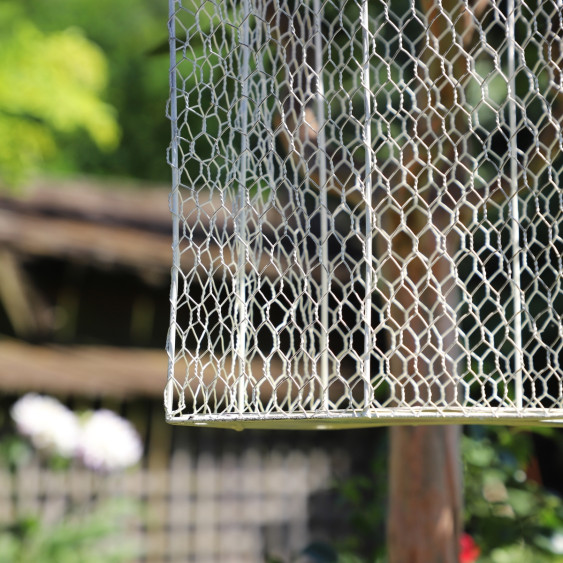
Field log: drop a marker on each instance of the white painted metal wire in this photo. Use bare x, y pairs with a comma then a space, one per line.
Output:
367, 212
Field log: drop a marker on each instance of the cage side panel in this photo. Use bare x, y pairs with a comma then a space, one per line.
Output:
369, 210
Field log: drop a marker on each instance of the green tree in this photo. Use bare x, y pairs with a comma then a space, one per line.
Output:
50, 83
127, 32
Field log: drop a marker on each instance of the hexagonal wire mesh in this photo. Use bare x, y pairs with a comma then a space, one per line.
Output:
367, 212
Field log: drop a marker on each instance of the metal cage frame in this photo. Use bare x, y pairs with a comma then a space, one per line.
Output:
367, 213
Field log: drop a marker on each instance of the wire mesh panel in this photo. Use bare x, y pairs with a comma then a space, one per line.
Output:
367, 212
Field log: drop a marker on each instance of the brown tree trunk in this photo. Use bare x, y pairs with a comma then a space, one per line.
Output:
424, 521
425, 487
425, 492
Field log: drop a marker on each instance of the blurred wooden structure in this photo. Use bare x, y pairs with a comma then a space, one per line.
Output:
79, 225
84, 282
206, 495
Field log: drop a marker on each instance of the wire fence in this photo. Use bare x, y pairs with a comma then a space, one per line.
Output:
367, 212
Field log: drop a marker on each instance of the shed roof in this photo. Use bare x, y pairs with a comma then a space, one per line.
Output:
113, 225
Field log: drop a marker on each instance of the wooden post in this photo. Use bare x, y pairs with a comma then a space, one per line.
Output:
419, 241
424, 522
415, 244
425, 498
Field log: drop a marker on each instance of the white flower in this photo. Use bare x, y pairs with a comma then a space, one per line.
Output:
109, 442
49, 425
557, 543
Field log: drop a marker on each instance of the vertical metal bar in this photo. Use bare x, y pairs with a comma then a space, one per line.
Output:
240, 219
174, 208
368, 248
321, 159
266, 116
514, 205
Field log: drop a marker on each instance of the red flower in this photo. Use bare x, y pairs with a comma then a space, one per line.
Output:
469, 550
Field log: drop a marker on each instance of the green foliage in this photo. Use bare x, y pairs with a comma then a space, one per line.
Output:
323, 553
49, 83
91, 538
14, 451
365, 499
519, 553
126, 31
511, 517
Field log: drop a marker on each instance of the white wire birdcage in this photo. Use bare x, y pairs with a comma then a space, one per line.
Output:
367, 212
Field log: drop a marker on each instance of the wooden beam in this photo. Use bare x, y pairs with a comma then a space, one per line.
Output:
127, 372
85, 242
29, 315
120, 202
81, 370
130, 229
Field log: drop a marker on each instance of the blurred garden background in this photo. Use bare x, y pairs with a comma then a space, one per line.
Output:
85, 256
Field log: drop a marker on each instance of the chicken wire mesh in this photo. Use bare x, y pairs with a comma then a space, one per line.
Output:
367, 212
